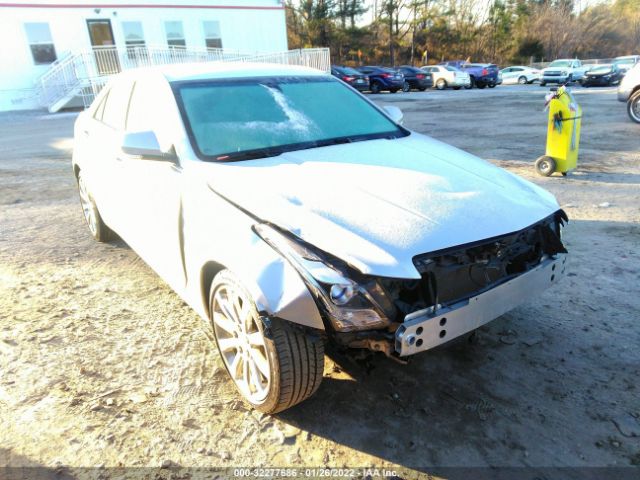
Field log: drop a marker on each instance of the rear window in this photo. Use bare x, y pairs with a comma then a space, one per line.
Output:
348, 71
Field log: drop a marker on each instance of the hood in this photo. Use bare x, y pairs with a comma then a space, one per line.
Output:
376, 204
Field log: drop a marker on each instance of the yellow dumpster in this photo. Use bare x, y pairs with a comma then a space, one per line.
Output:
563, 134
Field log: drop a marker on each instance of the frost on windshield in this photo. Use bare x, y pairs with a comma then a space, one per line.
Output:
243, 116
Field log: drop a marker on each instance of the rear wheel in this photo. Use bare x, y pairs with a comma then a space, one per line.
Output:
406, 87
274, 366
545, 166
99, 230
441, 84
522, 80
375, 87
492, 85
633, 107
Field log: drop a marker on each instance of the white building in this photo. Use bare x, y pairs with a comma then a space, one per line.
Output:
36, 33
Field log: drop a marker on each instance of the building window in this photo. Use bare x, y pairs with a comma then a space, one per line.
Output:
212, 36
175, 34
41, 43
133, 34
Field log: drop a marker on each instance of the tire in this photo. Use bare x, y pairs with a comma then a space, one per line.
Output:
492, 85
633, 107
277, 364
99, 230
393, 90
406, 87
545, 166
542, 84
522, 80
375, 88
441, 84
569, 79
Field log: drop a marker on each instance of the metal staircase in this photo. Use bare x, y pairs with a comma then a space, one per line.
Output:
75, 79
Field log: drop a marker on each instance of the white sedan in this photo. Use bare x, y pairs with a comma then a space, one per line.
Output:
519, 74
288, 210
444, 76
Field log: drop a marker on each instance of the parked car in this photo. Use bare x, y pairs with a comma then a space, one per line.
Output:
482, 74
629, 91
563, 71
603, 75
414, 78
626, 63
284, 226
381, 78
351, 76
445, 76
519, 74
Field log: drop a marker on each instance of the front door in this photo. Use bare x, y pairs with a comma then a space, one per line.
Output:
101, 36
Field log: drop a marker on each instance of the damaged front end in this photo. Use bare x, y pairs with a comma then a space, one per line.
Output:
460, 288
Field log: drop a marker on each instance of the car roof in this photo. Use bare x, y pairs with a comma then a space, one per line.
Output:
217, 70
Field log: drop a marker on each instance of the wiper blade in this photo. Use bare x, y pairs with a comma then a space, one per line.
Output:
250, 155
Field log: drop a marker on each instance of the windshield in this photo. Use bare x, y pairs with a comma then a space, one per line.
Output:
258, 117
601, 69
625, 61
560, 63
452, 69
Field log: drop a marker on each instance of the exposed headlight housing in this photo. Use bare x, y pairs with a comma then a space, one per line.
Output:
348, 304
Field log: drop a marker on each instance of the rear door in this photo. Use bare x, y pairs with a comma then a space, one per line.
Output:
104, 135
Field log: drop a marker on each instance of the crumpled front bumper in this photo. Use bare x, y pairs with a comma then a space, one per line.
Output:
425, 330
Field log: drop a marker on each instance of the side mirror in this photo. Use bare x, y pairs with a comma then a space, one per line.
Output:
146, 146
394, 113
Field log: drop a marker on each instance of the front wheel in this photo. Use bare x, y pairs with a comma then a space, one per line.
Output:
274, 365
522, 80
375, 87
99, 230
406, 87
545, 166
441, 84
633, 107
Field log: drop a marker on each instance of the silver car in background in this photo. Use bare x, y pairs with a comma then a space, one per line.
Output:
447, 77
288, 210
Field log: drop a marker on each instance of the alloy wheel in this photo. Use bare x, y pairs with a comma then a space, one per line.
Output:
88, 208
241, 342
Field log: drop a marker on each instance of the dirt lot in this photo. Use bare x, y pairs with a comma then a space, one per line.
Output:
102, 365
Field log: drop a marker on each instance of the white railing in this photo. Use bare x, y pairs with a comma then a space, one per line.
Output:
85, 72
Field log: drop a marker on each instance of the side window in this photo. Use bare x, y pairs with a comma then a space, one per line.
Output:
117, 103
100, 108
150, 110
212, 36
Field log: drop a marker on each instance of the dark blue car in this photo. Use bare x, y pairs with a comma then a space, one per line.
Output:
482, 74
381, 78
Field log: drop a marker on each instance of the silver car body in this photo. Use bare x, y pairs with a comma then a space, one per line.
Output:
373, 204
511, 75
456, 78
629, 84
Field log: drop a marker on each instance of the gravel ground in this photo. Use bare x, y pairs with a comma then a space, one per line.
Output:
101, 364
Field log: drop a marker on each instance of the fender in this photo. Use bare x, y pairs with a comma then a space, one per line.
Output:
220, 236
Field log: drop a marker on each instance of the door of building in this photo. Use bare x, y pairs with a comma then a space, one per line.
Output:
104, 48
